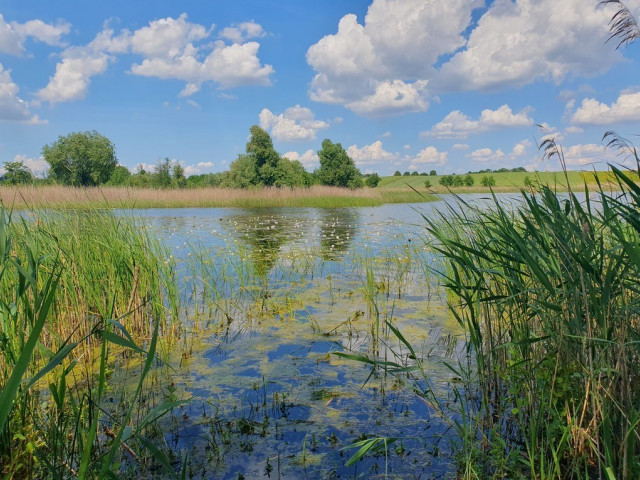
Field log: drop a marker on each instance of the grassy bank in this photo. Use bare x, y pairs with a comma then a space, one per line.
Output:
121, 197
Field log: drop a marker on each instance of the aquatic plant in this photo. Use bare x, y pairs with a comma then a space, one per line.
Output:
547, 291
73, 287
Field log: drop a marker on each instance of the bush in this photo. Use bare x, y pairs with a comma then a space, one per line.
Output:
372, 180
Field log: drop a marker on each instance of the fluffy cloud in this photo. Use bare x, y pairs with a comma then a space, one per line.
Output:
392, 97
400, 44
13, 35
73, 75
205, 165
242, 32
590, 154
362, 66
169, 51
38, 166
520, 148
12, 107
428, 156
625, 109
370, 154
458, 125
309, 159
518, 42
167, 46
486, 154
296, 123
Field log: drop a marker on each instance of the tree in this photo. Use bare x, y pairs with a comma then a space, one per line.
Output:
179, 179
81, 159
468, 180
162, 176
372, 180
120, 175
406, 174
488, 181
427, 184
17, 173
458, 181
414, 173
433, 173
397, 173
446, 180
267, 159
336, 167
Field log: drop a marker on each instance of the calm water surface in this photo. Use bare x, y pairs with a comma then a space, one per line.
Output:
269, 296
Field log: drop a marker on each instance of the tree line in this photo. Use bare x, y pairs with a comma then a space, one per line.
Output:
88, 159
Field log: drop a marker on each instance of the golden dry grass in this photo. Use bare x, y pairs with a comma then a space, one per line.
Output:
125, 197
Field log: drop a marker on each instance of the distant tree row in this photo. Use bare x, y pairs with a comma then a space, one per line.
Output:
413, 174
88, 159
501, 170
456, 180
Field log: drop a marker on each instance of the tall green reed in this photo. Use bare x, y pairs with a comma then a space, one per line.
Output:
547, 291
73, 286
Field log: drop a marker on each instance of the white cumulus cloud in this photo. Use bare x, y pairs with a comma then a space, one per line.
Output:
428, 156
243, 31
296, 123
486, 154
458, 125
370, 154
518, 42
38, 166
12, 107
13, 35
309, 159
625, 109
365, 66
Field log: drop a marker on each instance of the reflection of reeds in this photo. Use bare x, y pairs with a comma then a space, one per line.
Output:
123, 197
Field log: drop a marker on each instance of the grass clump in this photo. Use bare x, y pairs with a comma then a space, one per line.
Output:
75, 288
548, 294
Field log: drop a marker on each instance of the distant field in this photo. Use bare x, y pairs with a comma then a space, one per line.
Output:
504, 181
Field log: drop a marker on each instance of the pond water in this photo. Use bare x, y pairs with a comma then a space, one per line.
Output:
269, 297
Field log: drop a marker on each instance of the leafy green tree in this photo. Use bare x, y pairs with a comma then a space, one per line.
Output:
397, 173
242, 173
120, 175
162, 175
336, 167
81, 158
291, 173
433, 173
414, 173
427, 184
468, 180
458, 181
267, 159
17, 173
179, 180
446, 181
406, 174
488, 181
372, 180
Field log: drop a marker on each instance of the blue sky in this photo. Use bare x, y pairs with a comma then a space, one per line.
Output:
450, 85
